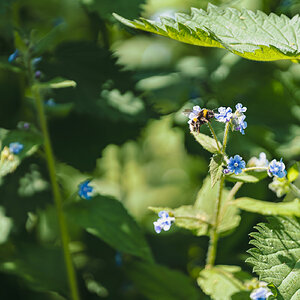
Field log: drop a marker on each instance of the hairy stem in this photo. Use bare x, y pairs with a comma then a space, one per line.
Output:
225, 137
214, 135
213, 242
57, 197
295, 190
255, 169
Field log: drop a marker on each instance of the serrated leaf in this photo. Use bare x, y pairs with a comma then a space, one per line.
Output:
188, 217
224, 283
215, 168
206, 142
206, 202
160, 283
268, 208
293, 172
247, 177
107, 219
248, 34
276, 256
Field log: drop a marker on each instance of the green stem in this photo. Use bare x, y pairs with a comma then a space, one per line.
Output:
295, 190
255, 169
57, 197
213, 242
225, 137
214, 135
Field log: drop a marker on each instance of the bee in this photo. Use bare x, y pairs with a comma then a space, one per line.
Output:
201, 116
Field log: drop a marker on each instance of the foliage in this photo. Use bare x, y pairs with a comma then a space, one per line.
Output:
276, 255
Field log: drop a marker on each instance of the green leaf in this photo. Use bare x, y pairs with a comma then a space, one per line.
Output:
160, 283
293, 172
58, 83
276, 256
199, 217
215, 168
188, 217
41, 268
248, 34
206, 202
107, 219
224, 283
268, 208
206, 142
247, 177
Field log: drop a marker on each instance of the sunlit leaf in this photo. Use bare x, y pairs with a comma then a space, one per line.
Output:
276, 255
206, 142
291, 208
215, 168
224, 283
247, 177
253, 35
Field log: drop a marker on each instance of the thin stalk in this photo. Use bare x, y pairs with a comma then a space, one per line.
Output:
255, 169
57, 197
225, 137
295, 190
214, 135
213, 242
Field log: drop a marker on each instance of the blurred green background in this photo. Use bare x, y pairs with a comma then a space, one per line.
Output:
123, 126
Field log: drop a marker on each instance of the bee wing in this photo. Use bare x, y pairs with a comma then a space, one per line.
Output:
186, 112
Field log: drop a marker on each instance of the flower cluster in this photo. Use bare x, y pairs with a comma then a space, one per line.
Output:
164, 222
15, 147
261, 293
85, 190
280, 186
236, 119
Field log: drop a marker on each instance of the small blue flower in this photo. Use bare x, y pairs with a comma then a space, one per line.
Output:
277, 168
194, 113
239, 123
13, 56
261, 293
15, 148
164, 222
240, 109
236, 164
84, 190
226, 171
36, 60
50, 102
224, 115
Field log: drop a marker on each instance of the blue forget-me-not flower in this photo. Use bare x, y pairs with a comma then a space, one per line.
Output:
164, 222
238, 118
277, 168
224, 115
194, 113
261, 293
261, 161
13, 56
16, 147
85, 190
236, 164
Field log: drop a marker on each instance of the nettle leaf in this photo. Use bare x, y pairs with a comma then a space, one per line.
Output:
160, 283
247, 177
276, 256
252, 35
224, 283
207, 142
107, 219
188, 217
291, 208
215, 168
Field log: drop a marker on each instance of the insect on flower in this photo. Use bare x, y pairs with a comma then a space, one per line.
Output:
198, 117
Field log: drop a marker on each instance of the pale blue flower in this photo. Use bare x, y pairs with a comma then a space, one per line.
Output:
194, 113
13, 56
239, 123
84, 190
164, 222
224, 115
236, 164
261, 161
261, 293
277, 168
16, 147
240, 108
